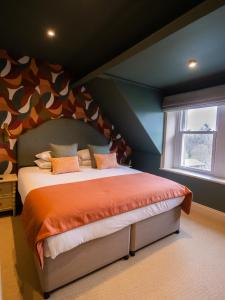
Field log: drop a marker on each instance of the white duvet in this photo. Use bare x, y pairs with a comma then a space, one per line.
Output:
30, 178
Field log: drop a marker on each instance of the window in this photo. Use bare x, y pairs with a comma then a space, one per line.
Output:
195, 140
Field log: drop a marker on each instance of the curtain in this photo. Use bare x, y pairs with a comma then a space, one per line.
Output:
213, 96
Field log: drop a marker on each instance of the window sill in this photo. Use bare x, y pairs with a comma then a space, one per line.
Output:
195, 175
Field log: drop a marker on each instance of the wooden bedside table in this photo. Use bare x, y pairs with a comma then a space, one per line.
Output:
8, 192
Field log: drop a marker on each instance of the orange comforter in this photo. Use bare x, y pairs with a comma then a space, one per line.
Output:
55, 209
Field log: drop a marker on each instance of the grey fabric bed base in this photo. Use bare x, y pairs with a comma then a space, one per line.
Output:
82, 260
152, 229
93, 255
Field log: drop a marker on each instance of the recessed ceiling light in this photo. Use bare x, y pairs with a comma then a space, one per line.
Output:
192, 64
50, 33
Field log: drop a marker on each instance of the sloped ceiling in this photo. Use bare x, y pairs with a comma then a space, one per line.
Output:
135, 111
145, 104
164, 65
88, 32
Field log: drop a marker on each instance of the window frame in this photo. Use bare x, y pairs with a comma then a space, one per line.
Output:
180, 132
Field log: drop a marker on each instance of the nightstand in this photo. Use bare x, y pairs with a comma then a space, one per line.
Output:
8, 192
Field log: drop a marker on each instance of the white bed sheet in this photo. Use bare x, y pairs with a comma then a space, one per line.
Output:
30, 178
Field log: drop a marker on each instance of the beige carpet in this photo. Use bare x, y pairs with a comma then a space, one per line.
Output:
189, 266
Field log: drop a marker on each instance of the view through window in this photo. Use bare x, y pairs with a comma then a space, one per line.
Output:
197, 137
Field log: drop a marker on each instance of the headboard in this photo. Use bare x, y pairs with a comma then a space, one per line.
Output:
57, 131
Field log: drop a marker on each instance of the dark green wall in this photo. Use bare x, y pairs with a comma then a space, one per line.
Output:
145, 102
136, 111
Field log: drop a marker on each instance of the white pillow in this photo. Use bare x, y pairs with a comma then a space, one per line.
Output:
84, 154
46, 155
43, 164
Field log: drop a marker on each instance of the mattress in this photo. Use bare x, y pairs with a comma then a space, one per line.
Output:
30, 178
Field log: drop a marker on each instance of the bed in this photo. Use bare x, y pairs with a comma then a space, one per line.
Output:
80, 251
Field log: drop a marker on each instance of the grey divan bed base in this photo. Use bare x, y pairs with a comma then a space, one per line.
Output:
152, 229
82, 260
100, 252
93, 255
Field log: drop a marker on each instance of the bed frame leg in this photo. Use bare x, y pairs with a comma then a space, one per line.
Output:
46, 295
126, 257
177, 231
132, 253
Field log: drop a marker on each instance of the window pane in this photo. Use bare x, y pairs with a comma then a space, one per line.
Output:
200, 119
197, 151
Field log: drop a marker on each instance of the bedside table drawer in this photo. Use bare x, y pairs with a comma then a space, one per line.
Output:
5, 188
6, 203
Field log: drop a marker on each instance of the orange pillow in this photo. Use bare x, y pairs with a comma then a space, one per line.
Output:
65, 164
106, 161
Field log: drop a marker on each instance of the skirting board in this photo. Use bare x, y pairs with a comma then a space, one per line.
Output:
208, 212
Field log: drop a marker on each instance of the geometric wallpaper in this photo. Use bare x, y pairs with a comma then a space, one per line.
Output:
32, 92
